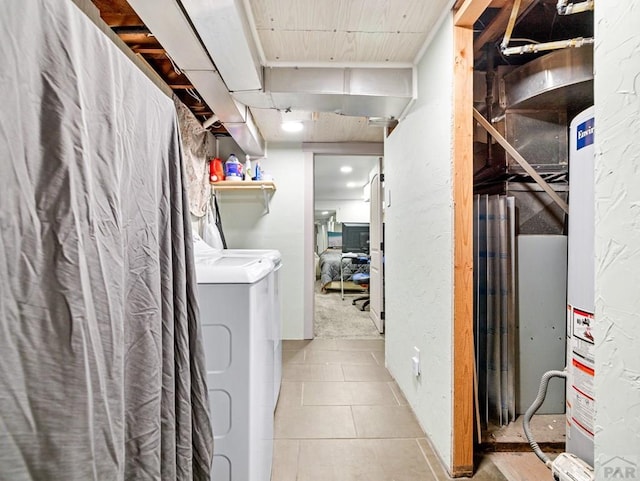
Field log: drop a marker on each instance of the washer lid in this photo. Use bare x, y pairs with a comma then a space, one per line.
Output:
231, 270
272, 254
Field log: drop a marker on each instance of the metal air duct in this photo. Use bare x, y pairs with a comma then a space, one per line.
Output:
362, 92
173, 30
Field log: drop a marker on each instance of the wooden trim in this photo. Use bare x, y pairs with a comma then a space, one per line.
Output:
463, 357
244, 185
469, 12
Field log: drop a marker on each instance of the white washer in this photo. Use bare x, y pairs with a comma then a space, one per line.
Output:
276, 308
232, 295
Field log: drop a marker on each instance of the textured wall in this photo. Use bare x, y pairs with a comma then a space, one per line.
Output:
247, 227
617, 236
419, 244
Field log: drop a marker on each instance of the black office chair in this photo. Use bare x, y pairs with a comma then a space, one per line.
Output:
361, 279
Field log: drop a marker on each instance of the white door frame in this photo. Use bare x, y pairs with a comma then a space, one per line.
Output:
310, 149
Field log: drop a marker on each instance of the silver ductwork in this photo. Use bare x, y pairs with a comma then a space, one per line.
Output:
361, 92
220, 62
167, 21
558, 80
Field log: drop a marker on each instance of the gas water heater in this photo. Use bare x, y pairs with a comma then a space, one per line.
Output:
581, 289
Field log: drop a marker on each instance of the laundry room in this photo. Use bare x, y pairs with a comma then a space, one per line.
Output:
268, 240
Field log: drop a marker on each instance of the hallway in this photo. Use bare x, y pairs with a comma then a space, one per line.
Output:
341, 417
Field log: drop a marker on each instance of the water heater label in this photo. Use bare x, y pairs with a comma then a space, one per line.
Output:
585, 134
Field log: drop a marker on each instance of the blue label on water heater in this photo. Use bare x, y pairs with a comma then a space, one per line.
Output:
584, 134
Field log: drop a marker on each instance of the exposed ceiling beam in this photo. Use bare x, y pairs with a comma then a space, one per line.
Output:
118, 20
469, 12
149, 51
498, 25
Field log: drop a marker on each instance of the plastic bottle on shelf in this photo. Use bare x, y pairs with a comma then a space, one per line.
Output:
248, 172
257, 171
216, 170
233, 168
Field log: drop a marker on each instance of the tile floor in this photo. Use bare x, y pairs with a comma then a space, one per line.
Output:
341, 417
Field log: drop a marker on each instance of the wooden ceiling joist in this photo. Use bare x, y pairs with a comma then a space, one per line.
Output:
149, 51
122, 20
139, 39
498, 25
469, 12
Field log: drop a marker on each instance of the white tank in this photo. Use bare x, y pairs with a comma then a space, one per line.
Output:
581, 288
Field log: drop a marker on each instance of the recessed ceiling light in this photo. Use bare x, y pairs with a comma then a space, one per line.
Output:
292, 126
346, 169
351, 184
325, 212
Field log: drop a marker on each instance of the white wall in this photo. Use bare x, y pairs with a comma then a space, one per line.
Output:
247, 226
419, 244
346, 210
617, 237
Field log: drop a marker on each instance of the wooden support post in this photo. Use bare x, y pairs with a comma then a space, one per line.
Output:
463, 356
469, 12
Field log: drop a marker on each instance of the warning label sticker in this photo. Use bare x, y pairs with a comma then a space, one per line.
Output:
580, 396
582, 331
582, 412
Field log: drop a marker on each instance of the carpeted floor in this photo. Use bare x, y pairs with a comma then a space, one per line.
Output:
335, 318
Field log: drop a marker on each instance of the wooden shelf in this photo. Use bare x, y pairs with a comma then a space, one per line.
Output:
264, 187
227, 185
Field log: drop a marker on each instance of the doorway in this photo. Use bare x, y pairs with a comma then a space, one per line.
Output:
342, 238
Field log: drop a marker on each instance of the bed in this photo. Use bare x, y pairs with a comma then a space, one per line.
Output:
330, 271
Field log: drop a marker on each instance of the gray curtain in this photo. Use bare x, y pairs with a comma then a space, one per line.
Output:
101, 364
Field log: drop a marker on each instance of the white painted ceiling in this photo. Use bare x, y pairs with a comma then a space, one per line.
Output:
345, 33
328, 127
331, 183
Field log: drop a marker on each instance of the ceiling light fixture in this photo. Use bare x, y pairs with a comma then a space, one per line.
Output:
292, 126
351, 185
325, 212
346, 169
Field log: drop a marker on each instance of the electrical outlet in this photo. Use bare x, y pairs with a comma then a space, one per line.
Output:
415, 362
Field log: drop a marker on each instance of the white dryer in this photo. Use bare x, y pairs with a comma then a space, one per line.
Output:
275, 307
234, 298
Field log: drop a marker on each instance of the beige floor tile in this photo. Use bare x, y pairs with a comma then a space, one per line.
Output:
403, 460
322, 344
285, 460
339, 460
293, 356
371, 393
295, 344
379, 357
312, 372
386, 422
398, 393
348, 393
516, 467
314, 422
326, 394
290, 395
360, 344
365, 373
342, 357
433, 459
